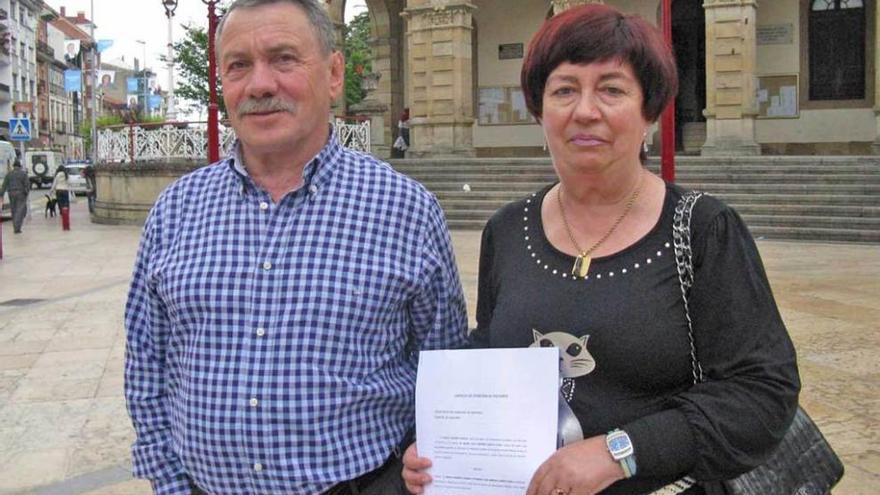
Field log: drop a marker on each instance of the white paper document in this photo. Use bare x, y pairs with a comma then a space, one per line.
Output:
486, 418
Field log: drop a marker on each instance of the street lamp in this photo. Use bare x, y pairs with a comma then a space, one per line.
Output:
213, 108
170, 111
144, 72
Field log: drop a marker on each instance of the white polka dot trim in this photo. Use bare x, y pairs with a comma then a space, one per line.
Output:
565, 273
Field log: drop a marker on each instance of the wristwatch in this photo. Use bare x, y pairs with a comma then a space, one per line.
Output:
621, 449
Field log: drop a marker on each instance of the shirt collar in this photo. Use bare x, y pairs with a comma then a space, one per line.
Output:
316, 172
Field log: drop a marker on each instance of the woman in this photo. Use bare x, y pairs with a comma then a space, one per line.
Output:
61, 190
587, 265
91, 186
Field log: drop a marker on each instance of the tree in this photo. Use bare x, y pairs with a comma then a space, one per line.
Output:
190, 62
358, 57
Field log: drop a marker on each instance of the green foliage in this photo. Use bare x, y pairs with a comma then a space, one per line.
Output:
191, 64
358, 57
85, 127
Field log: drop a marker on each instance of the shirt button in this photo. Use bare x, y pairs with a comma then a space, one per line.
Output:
267, 266
264, 205
313, 189
253, 402
261, 332
258, 467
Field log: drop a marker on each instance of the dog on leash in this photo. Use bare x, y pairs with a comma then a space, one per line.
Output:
50, 206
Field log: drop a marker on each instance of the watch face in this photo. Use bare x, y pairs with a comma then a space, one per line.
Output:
618, 443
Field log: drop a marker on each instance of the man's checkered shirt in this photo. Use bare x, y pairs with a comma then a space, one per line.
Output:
270, 347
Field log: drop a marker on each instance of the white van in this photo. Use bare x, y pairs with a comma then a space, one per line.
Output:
7, 156
41, 165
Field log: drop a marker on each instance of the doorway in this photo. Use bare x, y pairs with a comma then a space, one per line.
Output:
689, 43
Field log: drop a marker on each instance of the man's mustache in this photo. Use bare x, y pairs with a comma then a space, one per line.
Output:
265, 105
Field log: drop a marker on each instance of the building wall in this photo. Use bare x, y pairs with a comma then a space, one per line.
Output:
521, 20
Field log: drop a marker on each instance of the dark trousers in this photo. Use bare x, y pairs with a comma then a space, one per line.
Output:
385, 480
18, 204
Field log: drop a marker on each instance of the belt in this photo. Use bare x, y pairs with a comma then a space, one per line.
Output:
357, 485
350, 487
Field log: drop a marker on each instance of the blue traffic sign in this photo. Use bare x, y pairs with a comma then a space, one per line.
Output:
20, 129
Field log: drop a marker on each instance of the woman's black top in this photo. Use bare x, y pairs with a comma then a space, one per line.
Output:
627, 316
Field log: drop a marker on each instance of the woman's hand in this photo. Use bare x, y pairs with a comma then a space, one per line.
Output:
413, 467
581, 468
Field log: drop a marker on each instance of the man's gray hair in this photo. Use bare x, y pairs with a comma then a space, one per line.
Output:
317, 15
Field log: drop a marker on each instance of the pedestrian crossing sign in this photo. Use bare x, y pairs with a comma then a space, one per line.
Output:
20, 129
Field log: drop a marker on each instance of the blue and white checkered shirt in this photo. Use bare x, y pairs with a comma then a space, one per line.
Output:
270, 347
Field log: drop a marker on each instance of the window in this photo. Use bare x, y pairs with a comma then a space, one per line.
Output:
837, 49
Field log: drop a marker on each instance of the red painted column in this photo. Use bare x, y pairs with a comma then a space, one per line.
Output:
213, 107
667, 119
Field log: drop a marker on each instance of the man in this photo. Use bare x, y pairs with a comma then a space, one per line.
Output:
279, 296
18, 186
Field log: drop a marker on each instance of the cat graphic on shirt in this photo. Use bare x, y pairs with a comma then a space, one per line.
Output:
574, 357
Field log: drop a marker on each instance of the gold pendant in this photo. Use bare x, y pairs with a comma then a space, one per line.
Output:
581, 266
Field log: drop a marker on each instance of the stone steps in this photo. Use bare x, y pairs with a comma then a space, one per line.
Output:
779, 197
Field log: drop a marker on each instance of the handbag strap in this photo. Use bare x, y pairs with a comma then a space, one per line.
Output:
681, 239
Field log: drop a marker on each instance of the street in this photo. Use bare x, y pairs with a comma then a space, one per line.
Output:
63, 424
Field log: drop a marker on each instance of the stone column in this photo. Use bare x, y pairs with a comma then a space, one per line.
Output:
731, 104
563, 5
440, 86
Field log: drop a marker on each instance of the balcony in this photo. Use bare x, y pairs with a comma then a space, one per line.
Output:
45, 52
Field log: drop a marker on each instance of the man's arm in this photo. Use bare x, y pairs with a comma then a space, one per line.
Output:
439, 311
147, 329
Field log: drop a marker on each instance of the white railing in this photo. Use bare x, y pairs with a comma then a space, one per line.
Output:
189, 141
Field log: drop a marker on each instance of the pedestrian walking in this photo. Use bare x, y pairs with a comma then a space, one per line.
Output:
91, 187
17, 185
61, 190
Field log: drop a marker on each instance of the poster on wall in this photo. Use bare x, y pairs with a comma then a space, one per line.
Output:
503, 106
107, 78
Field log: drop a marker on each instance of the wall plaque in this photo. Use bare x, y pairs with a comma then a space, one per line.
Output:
775, 34
510, 51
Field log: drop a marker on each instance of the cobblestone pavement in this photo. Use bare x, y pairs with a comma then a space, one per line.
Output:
63, 425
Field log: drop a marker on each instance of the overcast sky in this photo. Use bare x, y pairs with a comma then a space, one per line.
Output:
125, 21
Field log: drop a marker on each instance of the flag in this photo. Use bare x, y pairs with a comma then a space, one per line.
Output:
104, 44
72, 80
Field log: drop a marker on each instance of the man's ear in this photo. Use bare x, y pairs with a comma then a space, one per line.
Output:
337, 74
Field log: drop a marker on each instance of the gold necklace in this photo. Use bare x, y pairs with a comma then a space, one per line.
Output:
582, 261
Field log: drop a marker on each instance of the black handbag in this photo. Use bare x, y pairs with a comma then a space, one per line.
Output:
803, 463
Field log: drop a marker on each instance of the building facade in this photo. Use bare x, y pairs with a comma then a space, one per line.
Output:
780, 77
18, 68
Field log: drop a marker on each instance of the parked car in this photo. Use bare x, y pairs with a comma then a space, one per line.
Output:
41, 165
75, 178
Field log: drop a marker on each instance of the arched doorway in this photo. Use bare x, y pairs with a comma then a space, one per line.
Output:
689, 42
388, 61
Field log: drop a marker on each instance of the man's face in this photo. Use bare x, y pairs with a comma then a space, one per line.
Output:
277, 81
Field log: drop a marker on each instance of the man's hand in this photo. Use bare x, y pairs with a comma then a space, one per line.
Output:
413, 470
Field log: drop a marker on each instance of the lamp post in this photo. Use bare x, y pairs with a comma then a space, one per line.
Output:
213, 108
170, 111
144, 72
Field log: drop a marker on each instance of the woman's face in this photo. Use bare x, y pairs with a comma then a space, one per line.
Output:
592, 116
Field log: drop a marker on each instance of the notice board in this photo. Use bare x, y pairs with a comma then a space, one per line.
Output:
777, 97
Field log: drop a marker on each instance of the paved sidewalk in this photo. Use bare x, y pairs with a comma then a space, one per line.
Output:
63, 425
